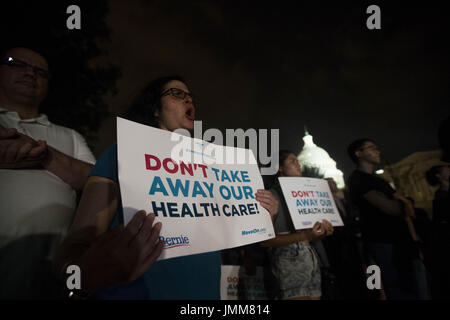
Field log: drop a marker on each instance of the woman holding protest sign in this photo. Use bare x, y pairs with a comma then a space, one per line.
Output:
294, 262
119, 262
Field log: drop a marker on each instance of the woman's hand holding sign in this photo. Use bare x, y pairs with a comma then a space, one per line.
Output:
328, 227
267, 200
320, 230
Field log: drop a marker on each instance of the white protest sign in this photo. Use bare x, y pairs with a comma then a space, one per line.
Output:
309, 200
236, 284
203, 206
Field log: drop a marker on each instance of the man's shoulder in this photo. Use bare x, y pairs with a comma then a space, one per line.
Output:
360, 183
61, 128
355, 177
63, 132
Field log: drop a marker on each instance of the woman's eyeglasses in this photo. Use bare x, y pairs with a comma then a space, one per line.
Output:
178, 94
22, 65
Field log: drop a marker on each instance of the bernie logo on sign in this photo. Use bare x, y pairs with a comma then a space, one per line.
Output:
172, 242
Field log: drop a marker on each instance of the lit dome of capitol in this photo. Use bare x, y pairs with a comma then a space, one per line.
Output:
314, 156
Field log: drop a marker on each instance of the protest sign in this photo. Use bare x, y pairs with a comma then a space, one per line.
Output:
236, 284
309, 200
203, 206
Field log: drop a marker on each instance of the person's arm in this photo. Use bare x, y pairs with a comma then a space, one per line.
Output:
95, 211
19, 151
72, 171
398, 207
282, 240
317, 232
382, 202
107, 257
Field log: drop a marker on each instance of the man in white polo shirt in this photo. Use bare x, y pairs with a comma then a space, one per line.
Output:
42, 166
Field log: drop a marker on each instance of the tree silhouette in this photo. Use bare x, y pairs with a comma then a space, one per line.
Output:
312, 172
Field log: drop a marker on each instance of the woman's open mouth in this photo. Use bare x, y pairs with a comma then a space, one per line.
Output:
190, 113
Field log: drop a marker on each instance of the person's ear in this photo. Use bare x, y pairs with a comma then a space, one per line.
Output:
358, 154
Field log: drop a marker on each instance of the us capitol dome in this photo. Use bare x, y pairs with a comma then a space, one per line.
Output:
314, 156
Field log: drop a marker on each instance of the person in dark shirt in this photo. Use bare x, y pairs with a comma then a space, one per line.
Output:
386, 226
424, 230
343, 253
439, 176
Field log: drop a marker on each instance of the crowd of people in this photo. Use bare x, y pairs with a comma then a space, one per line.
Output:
59, 206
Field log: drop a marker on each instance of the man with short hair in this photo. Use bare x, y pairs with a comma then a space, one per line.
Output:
42, 166
384, 214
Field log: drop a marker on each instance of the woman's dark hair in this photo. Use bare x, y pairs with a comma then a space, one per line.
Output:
283, 154
272, 181
355, 146
143, 108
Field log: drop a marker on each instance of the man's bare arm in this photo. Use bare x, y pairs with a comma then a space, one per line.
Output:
19, 151
72, 171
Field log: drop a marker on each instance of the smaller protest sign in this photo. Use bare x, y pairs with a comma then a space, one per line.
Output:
309, 200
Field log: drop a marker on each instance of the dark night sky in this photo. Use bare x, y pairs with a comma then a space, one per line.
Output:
289, 64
